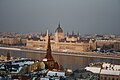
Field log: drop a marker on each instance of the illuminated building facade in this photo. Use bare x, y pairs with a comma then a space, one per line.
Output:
61, 42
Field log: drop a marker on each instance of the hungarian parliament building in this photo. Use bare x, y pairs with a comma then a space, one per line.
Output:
61, 42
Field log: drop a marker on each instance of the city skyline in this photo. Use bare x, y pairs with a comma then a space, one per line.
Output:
85, 17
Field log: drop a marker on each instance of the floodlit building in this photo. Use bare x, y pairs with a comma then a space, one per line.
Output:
61, 42
3, 58
12, 41
117, 45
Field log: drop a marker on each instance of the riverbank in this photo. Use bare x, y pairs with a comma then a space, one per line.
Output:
83, 54
66, 59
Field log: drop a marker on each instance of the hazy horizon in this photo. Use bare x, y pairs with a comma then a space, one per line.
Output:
83, 16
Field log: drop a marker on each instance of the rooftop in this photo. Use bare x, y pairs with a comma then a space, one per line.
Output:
59, 29
106, 68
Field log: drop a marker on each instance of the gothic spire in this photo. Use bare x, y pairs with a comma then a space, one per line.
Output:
48, 53
59, 24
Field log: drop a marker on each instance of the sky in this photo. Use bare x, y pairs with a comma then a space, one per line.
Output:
83, 16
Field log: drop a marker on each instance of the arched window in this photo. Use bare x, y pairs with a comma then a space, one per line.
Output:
105, 78
109, 78
117, 79
113, 79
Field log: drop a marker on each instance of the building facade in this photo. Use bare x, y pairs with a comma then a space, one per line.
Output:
105, 71
12, 41
60, 42
117, 45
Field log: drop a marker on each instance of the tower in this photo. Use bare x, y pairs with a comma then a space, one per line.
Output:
59, 33
48, 60
48, 52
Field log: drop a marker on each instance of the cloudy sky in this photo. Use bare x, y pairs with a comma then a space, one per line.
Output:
83, 16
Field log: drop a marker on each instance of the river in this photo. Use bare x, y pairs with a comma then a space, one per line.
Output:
67, 61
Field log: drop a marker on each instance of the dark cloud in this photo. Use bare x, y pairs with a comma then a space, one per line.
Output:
85, 16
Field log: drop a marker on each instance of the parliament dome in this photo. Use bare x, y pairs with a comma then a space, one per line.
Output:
59, 29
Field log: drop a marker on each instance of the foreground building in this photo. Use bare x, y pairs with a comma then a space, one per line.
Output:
106, 71
28, 69
61, 42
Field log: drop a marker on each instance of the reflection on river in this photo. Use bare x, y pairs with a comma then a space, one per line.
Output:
73, 62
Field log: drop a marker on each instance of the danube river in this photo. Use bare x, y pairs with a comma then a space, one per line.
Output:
67, 61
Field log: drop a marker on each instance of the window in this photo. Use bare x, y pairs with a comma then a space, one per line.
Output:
101, 78
105, 78
109, 78
117, 79
113, 79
